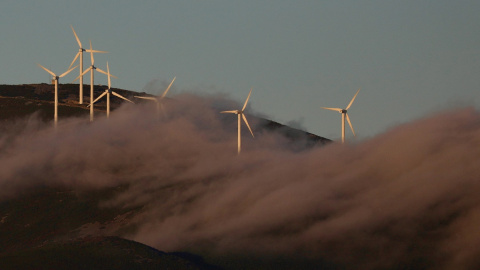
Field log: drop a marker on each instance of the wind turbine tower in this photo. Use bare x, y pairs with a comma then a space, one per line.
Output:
240, 115
55, 78
345, 115
80, 55
108, 92
92, 68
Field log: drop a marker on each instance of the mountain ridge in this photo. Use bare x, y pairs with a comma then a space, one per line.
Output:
43, 94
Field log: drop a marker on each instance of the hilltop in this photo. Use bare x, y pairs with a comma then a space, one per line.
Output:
17, 101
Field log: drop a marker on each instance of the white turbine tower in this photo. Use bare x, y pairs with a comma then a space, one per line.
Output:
55, 78
80, 55
344, 115
92, 68
108, 92
241, 115
158, 100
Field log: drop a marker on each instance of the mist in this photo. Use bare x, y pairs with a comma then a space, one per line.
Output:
407, 198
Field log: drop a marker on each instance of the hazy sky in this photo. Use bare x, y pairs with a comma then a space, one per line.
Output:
410, 58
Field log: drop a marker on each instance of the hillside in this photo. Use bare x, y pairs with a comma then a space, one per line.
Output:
47, 229
60, 227
147, 190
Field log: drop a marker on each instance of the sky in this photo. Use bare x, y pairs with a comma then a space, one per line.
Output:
409, 58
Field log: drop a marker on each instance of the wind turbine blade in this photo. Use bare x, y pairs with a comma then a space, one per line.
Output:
101, 71
47, 70
149, 98
229, 111
95, 51
246, 122
168, 88
246, 101
350, 123
332, 109
68, 71
74, 59
78, 40
91, 54
83, 73
86, 70
350, 104
122, 97
99, 97
106, 73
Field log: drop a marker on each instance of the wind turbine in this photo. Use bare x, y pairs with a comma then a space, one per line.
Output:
241, 115
159, 99
108, 92
345, 115
55, 78
92, 68
80, 54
